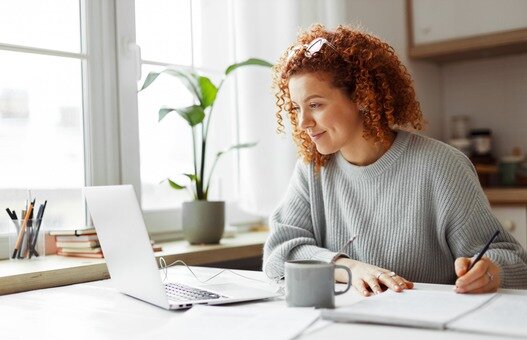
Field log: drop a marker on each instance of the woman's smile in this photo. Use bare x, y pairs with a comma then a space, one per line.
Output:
316, 136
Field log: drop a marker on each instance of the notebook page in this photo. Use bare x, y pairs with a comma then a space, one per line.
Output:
414, 307
506, 314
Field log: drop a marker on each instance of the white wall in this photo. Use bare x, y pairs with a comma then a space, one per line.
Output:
493, 93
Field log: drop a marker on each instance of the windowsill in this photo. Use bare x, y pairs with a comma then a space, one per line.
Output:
53, 270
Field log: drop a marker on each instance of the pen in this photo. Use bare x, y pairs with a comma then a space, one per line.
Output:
341, 250
40, 215
350, 241
14, 218
482, 252
22, 231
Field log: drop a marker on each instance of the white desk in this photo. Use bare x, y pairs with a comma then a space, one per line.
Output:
95, 311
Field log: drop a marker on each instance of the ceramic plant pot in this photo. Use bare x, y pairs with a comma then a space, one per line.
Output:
203, 221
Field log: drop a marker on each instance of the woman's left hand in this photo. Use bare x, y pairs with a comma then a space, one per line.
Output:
484, 277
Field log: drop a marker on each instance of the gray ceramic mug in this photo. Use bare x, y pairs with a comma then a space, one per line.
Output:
311, 283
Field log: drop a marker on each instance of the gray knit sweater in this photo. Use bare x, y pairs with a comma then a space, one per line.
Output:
415, 210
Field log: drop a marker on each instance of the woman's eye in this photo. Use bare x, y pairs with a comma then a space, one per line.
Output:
314, 105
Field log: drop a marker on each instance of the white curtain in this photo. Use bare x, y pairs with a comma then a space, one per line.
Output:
264, 29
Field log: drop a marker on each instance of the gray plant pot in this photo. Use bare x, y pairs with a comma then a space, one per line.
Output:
203, 221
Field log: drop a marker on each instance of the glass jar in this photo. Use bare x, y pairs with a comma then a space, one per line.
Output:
481, 140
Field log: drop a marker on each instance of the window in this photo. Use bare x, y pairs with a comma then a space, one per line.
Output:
187, 34
70, 114
41, 108
164, 34
57, 96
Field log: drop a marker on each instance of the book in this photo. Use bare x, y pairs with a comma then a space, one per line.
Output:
82, 231
500, 313
70, 238
94, 255
78, 244
80, 250
421, 308
503, 315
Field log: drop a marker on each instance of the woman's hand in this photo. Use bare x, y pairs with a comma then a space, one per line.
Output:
484, 277
367, 278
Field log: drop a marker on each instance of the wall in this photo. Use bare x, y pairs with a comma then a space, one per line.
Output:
492, 92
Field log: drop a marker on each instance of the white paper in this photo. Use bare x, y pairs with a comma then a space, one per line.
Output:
506, 314
243, 322
418, 308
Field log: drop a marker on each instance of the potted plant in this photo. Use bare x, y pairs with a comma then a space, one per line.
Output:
203, 220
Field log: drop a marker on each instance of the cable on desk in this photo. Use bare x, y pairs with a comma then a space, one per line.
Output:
164, 267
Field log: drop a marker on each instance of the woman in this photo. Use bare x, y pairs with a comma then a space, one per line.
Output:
414, 203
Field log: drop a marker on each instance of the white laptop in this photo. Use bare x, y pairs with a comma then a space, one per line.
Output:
131, 262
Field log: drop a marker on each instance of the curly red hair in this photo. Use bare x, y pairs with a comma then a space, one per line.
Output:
364, 67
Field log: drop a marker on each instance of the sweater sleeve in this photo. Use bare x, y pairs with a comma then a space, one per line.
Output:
292, 235
473, 223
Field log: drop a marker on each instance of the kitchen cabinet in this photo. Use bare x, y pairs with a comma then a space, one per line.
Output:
513, 219
449, 30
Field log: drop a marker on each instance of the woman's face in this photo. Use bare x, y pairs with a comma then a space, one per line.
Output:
325, 112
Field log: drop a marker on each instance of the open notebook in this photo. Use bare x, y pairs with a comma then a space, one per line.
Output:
424, 308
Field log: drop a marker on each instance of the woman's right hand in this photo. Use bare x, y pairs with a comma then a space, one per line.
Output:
367, 279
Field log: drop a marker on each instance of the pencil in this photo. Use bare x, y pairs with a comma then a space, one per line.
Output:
22, 230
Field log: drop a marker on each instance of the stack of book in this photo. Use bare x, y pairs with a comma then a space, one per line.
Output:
82, 243
79, 243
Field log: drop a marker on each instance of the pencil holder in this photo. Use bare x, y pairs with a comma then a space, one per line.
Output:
26, 240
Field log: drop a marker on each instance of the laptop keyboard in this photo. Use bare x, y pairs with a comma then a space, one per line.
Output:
177, 291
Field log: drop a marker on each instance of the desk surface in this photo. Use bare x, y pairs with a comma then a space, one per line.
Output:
95, 311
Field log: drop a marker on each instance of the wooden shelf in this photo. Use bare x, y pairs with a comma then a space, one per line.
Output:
506, 196
53, 271
490, 45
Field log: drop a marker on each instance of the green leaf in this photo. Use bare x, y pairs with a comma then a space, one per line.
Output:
175, 185
163, 112
149, 79
237, 146
251, 61
191, 176
208, 91
194, 114
187, 78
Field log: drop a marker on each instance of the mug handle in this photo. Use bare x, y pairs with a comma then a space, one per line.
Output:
337, 266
